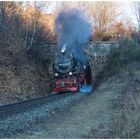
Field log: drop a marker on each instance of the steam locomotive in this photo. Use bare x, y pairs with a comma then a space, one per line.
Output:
68, 73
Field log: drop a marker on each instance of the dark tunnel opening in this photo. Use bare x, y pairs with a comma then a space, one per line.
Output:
88, 75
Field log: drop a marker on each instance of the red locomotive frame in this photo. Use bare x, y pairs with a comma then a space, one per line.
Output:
68, 82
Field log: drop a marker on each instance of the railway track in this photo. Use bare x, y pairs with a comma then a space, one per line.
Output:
29, 104
19, 116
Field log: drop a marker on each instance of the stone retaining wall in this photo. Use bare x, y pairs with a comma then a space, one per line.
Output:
98, 53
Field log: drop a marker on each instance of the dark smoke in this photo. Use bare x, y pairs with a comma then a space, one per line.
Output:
72, 28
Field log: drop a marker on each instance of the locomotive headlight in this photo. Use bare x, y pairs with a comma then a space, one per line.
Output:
56, 74
84, 67
62, 51
70, 73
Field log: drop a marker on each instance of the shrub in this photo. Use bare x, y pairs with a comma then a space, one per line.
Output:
17, 58
106, 38
2, 72
127, 53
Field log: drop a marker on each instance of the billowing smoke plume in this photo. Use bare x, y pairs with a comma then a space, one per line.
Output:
72, 28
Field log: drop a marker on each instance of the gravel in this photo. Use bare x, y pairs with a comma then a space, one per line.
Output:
17, 122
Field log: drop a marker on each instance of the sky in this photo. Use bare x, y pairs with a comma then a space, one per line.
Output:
127, 8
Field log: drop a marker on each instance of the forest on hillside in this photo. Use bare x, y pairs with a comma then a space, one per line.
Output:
25, 27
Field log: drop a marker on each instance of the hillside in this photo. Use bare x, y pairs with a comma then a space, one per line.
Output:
20, 77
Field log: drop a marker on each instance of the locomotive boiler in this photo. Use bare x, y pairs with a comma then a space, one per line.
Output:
68, 73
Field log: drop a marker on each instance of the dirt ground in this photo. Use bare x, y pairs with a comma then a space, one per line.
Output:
91, 118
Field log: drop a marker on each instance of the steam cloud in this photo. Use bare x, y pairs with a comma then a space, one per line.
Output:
72, 28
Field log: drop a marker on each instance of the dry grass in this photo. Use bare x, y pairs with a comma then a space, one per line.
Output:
19, 77
126, 119
125, 114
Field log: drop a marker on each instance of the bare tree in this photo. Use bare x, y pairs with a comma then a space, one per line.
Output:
33, 14
7, 15
103, 15
137, 11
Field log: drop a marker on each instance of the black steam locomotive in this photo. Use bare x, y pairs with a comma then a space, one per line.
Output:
68, 73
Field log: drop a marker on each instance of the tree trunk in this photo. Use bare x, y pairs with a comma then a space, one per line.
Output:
26, 36
32, 39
